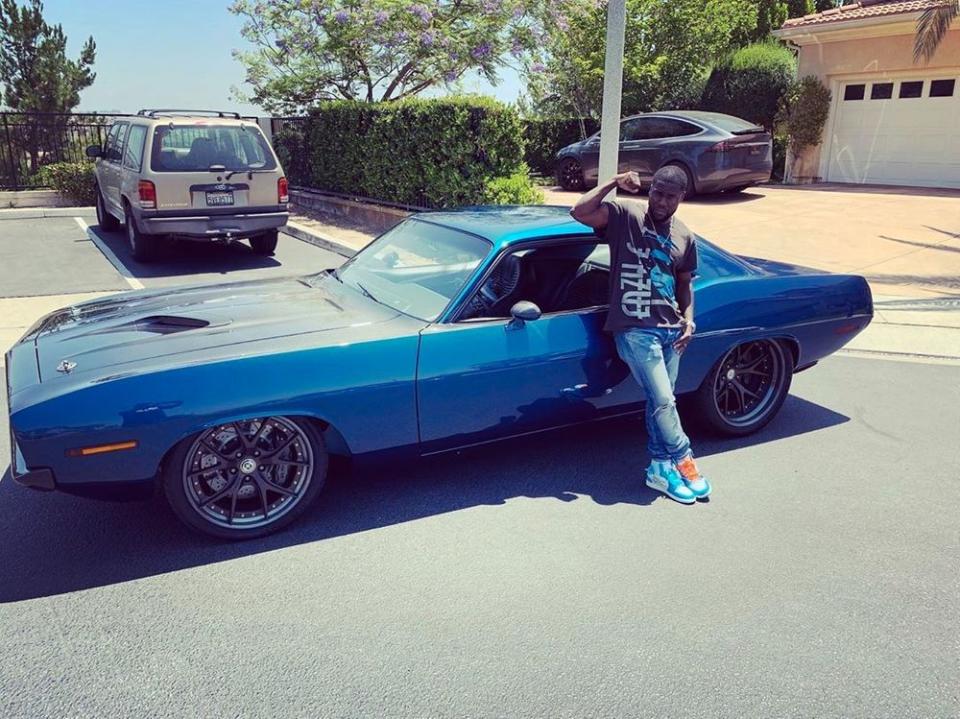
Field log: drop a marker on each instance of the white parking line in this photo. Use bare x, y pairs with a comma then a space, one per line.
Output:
108, 253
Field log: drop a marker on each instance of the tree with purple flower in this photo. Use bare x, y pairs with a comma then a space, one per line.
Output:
385, 49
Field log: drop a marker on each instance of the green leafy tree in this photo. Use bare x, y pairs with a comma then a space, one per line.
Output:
669, 47
36, 74
770, 16
306, 51
751, 83
799, 8
932, 27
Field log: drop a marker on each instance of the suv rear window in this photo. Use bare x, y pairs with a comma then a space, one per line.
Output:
195, 148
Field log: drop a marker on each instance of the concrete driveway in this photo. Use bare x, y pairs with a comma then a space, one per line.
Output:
905, 241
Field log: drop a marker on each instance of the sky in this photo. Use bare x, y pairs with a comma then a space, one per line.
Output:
174, 54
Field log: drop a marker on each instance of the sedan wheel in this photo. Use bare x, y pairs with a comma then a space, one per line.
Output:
570, 175
746, 388
246, 479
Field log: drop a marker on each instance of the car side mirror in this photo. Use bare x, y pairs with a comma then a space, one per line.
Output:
94, 151
523, 312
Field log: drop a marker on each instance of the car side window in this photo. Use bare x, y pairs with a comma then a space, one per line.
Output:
563, 277
110, 141
635, 129
133, 155
679, 128
113, 151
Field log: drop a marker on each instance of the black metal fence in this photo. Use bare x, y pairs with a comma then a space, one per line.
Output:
30, 140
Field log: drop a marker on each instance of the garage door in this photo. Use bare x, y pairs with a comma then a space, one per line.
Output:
898, 132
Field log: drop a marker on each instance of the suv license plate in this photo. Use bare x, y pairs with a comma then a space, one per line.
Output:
218, 199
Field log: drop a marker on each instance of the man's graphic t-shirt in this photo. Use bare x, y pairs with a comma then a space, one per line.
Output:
644, 264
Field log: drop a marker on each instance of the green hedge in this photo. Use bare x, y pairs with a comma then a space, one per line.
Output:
751, 83
544, 138
428, 153
72, 180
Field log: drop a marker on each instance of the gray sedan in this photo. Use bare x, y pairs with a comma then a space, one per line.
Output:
717, 152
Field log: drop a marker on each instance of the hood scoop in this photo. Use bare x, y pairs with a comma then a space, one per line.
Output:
158, 324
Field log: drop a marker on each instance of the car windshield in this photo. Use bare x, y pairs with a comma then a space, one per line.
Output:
416, 267
198, 147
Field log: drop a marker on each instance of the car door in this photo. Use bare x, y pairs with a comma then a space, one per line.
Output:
112, 167
481, 380
637, 152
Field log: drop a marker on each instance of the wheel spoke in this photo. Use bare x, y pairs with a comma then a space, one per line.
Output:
273, 487
256, 437
739, 395
743, 388
291, 462
209, 447
221, 494
233, 503
263, 496
286, 443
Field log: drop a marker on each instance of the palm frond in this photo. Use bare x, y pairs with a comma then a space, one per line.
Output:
931, 29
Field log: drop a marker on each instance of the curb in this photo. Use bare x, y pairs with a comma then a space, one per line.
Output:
311, 237
35, 213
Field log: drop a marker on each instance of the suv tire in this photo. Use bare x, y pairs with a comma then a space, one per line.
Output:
143, 247
266, 243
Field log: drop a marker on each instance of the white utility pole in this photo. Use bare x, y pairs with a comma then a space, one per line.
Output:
612, 91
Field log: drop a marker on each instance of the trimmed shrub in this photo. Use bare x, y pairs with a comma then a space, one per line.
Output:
544, 138
751, 83
517, 189
72, 180
428, 153
293, 156
805, 110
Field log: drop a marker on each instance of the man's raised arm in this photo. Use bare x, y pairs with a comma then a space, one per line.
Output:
590, 209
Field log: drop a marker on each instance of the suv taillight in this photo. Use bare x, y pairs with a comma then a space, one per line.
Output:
148, 195
283, 193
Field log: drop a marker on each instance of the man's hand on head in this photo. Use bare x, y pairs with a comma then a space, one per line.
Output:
629, 181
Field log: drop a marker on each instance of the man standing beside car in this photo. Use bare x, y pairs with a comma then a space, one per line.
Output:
652, 260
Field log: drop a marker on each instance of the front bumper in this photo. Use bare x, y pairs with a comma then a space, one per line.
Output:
213, 224
41, 479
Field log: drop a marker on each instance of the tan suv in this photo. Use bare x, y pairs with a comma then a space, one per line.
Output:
199, 175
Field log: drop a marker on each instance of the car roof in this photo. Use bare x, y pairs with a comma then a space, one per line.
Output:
506, 224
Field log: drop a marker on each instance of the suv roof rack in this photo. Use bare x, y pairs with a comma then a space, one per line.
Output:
165, 112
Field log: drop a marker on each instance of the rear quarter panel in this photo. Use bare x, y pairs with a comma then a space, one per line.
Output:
815, 314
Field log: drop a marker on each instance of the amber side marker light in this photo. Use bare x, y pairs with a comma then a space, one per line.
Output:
101, 449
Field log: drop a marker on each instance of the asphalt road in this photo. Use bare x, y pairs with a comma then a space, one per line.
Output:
537, 578
57, 256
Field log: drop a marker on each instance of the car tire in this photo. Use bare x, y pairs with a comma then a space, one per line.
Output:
223, 481
762, 368
266, 243
691, 187
570, 174
143, 247
107, 222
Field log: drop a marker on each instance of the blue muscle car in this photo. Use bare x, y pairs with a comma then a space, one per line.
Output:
451, 329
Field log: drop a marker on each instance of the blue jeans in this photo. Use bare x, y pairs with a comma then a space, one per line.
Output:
654, 363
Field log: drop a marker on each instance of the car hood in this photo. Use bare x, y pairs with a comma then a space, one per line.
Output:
196, 323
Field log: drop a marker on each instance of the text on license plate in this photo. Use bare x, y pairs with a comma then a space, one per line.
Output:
219, 198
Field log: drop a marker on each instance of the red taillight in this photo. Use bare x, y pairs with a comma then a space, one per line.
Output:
721, 147
283, 194
148, 194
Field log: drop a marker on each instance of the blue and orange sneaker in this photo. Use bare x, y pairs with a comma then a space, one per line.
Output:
694, 481
663, 477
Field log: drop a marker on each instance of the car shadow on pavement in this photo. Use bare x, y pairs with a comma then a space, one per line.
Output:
183, 257
54, 543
